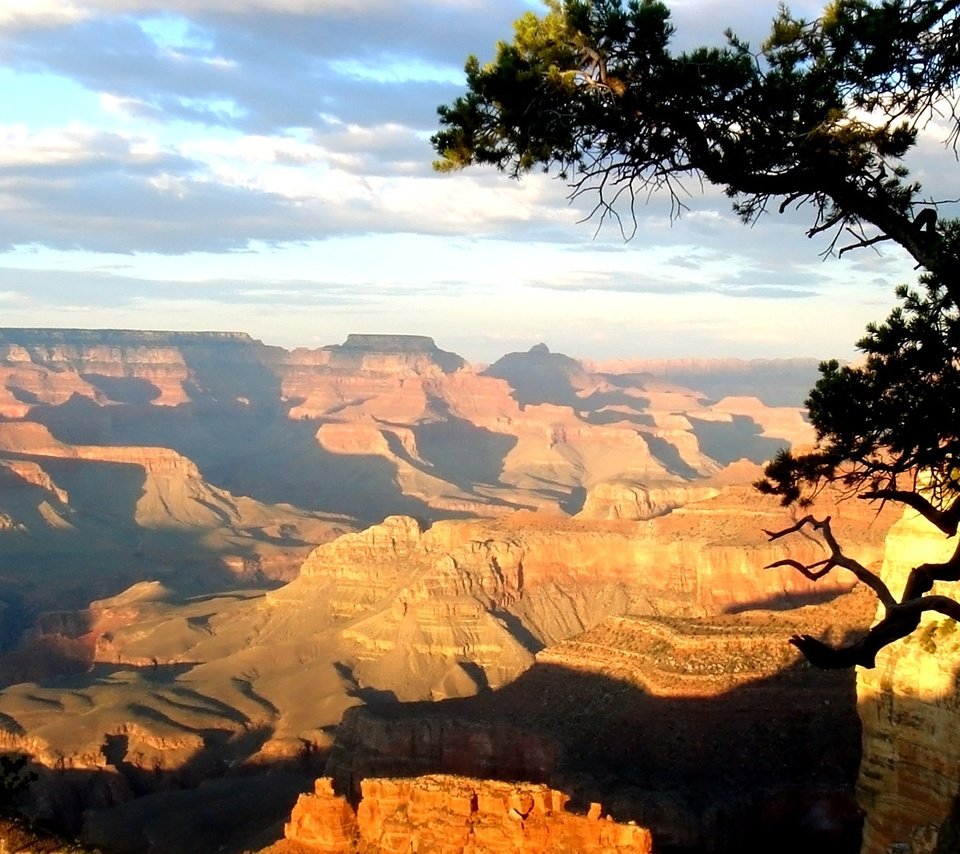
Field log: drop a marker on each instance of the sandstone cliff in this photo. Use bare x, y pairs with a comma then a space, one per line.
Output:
619, 500
138, 499
558, 576
48, 366
457, 610
457, 815
909, 780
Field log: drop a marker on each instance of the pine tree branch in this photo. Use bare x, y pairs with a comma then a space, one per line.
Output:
946, 520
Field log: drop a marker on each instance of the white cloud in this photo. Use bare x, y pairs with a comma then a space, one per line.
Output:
33, 12
273, 153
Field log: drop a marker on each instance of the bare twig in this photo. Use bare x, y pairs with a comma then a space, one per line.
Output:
837, 558
861, 244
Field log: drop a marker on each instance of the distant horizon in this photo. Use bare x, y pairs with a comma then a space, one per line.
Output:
439, 344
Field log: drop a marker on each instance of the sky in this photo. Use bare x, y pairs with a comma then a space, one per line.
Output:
264, 166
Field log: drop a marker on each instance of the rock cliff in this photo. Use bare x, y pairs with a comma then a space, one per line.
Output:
404, 612
119, 492
48, 366
637, 502
558, 576
458, 815
909, 781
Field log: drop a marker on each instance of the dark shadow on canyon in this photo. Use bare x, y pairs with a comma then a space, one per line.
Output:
462, 453
223, 796
729, 441
742, 770
783, 383
257, 451
64, 555
786, 601
215, 802
669, 456
539, 376
767, 766
132, 390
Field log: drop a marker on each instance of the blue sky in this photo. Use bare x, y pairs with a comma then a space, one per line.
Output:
264, 166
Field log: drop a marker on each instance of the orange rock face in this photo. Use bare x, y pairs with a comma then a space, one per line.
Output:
323, 821
443, 813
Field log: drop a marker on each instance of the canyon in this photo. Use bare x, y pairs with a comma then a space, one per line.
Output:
230, 569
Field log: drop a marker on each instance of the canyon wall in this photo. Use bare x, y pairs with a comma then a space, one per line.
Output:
909, 781
147, 476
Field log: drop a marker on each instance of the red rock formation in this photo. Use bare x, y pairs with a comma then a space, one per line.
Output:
379, 398
26, 437
699, 559
52, 365
456, 814
115, 366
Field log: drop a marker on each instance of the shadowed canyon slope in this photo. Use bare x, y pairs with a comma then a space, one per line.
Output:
215, 549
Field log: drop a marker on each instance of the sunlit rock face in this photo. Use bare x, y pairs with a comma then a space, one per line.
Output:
48, 366
703, 558
634, 501
455, 814
910, 709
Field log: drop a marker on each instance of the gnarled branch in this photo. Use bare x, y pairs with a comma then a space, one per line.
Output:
837, 558
899, 622
946, 520
900, 618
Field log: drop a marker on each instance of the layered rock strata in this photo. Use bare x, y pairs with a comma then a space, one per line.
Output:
457, 815
388, 417
909, 782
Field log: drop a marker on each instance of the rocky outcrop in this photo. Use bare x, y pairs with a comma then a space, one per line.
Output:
35, 439
110, 366
702, 558
637, 502
909, 781
158, 489
30, 472
456, 814
322, 821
